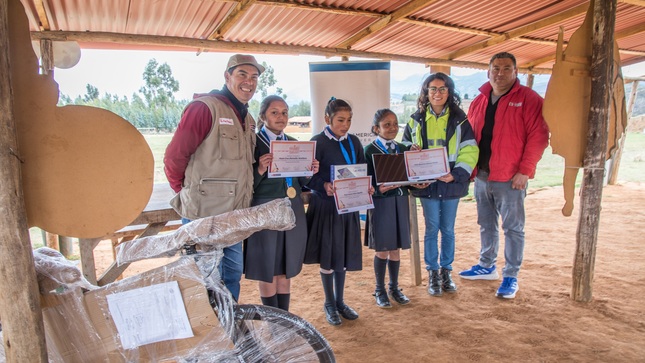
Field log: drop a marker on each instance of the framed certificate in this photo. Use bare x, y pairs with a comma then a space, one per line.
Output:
291, 158
426, 164
353, 194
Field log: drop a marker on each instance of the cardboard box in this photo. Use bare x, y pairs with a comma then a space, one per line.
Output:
79, 327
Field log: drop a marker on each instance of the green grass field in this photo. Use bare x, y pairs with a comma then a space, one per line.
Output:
549, 173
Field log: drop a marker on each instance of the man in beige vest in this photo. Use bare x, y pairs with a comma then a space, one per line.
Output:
209, 159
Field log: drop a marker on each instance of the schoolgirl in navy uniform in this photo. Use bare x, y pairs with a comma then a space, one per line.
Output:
274, 257
387, 227
334, 240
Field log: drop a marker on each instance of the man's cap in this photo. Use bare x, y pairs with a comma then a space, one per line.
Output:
239, 59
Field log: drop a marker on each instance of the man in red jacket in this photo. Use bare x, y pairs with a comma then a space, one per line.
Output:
512, 135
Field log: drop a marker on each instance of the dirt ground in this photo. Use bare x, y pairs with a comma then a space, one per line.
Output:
542, 324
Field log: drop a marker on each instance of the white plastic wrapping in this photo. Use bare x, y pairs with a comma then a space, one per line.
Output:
81, 326
211, 233
3, 357
56, 273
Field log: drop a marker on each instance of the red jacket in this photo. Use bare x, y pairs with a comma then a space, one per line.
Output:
520, 133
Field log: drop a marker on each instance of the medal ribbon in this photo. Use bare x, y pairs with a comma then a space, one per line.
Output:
343, 150
386, 149
288, 180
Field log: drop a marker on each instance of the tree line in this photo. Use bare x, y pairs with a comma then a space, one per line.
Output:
155, 107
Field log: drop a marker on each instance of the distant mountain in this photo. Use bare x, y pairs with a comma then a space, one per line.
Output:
411, 84
297, 93
466, 86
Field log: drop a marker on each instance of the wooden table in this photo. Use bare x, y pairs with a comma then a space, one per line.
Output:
157, 216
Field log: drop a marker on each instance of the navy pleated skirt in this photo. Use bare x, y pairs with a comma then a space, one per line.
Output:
387, 226
334, 240
269, 253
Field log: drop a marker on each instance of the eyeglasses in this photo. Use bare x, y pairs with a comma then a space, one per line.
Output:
441, 90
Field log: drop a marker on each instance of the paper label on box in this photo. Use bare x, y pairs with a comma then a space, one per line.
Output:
149, 314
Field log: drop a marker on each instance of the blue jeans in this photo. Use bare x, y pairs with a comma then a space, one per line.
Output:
231, 267
495, 199
440, 215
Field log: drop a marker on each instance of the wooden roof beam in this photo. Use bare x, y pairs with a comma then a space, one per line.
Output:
42, 15
408, 20
234, 47
465, 30
237, 12
633, 2
629, 79
636, 29
384, 21
319, 8
537, 62
353, 12
548, 58
639, 28
517, 32
632, 52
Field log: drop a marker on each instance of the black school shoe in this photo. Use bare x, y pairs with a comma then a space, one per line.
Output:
398, 296
347, 312
382, 301
332, 315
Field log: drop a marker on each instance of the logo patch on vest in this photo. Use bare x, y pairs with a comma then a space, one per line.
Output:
515, 104
226, 121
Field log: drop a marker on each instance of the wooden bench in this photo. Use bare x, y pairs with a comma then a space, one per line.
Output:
156, 217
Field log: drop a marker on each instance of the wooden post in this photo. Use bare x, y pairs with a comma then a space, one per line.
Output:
66, 246
615, 161
22, 321
415, 254
46, 56
530, 79
442, 69
604, 19
52, 241
60, 243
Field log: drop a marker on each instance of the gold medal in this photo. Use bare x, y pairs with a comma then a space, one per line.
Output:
291, 192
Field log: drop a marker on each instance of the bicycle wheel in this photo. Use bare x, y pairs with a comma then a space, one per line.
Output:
267, 334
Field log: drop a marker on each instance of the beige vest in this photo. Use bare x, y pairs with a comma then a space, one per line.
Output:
219, 176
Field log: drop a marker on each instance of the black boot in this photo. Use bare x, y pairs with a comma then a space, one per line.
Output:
446, 281
434, 283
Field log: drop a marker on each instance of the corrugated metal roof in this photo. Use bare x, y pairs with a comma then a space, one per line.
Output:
275, 25
419, 31
418, 42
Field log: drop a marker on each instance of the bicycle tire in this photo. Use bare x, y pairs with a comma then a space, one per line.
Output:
267, 334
